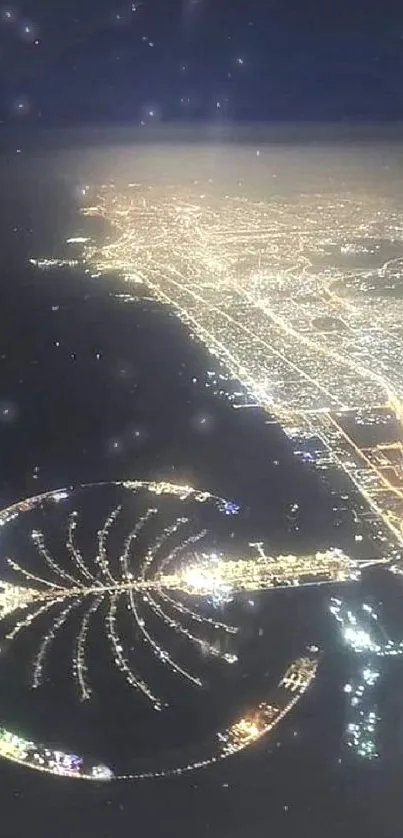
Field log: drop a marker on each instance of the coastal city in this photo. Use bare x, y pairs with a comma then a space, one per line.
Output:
307, 319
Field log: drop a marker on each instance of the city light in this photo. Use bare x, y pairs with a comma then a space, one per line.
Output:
365, 636
51, 761
303, 350
362, 630
212, 574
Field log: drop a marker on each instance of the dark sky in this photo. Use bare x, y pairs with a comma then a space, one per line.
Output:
79, 61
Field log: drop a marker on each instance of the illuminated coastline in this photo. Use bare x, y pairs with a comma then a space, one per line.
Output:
243, 276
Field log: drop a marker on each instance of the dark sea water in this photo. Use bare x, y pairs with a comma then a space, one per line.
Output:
94, 389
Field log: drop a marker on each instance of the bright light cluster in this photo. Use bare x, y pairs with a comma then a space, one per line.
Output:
362, 631
213, 573
13, 597
41, 758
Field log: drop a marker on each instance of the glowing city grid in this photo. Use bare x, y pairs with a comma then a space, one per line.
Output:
247, 277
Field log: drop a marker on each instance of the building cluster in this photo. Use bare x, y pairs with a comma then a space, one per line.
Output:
362, 630
41, 758
13, 597
48, 264
364, 634
213, 572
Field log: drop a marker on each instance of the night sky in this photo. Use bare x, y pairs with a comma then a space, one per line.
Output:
188, 60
